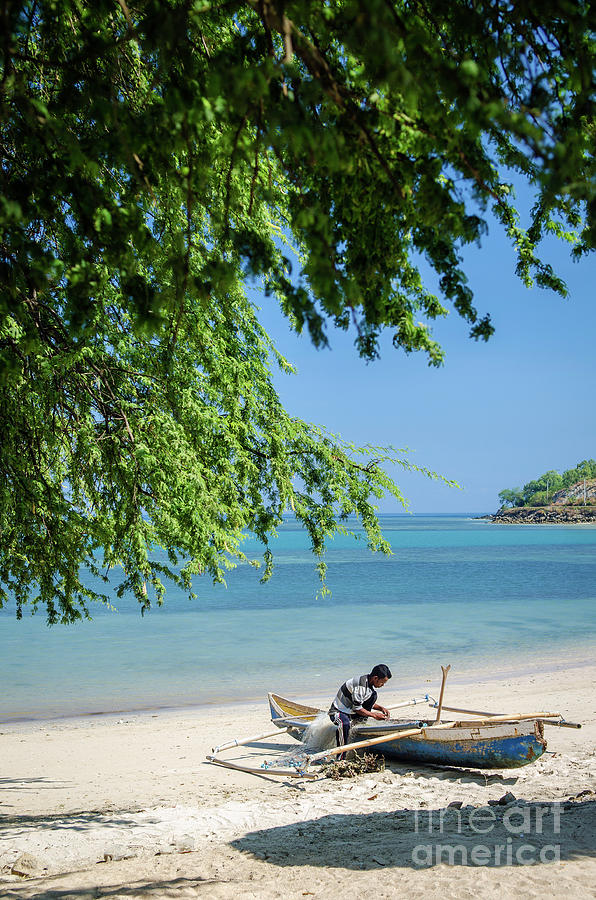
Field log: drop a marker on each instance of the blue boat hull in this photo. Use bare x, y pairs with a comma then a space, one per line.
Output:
498, 753
495, 746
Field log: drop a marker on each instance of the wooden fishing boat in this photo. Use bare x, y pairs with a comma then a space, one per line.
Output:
501, 745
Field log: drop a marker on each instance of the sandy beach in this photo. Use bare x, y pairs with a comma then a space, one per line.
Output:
127, 807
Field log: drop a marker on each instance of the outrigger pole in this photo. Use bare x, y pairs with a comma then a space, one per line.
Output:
480, 712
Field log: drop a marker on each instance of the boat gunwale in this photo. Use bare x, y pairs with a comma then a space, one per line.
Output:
362, 731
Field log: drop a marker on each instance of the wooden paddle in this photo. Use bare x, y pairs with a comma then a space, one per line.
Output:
445, 670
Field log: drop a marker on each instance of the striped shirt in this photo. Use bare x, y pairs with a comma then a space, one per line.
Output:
352, 694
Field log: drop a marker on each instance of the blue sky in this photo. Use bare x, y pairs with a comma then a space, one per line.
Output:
495, 415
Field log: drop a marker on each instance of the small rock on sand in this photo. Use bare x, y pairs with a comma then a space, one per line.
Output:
185, 843
115, 853
26, 864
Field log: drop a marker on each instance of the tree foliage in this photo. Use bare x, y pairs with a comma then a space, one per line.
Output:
540, 490
511, 497
157, 157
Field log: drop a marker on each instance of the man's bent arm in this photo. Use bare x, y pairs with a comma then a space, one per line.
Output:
369, 712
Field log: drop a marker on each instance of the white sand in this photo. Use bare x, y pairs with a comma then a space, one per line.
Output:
126, 807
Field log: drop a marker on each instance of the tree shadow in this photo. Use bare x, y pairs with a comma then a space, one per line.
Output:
82, 821
26, 784
519, 834
152, 890
20, 784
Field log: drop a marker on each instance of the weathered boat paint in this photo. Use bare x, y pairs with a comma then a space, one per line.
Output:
499, 746
485, 753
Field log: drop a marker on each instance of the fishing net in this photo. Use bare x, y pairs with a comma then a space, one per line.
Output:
320, 735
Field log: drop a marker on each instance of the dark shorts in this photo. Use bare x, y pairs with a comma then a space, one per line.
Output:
343, 722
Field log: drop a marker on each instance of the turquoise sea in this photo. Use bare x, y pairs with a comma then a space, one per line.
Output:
485, 598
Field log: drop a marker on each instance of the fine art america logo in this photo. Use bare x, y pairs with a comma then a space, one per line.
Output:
522, 835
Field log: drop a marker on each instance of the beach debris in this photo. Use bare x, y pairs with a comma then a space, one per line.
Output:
26, 865
186, 843
507, 798
455, 804
115, 853
358, 765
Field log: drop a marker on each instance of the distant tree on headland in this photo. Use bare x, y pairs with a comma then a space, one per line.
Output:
160, 155
539, 492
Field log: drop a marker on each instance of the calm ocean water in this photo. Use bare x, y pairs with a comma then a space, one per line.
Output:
457, 590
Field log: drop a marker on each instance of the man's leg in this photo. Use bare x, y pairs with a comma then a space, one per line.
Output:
343, 723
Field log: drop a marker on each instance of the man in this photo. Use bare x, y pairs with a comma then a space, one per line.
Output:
357, 698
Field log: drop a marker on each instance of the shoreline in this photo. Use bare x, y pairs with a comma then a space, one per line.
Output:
578, 658
455, 592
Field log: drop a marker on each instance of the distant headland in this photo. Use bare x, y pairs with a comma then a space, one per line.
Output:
556, 513
553, 498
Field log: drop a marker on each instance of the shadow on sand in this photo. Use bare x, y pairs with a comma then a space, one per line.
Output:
148, 890
520, 834
30, 784
454, 775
